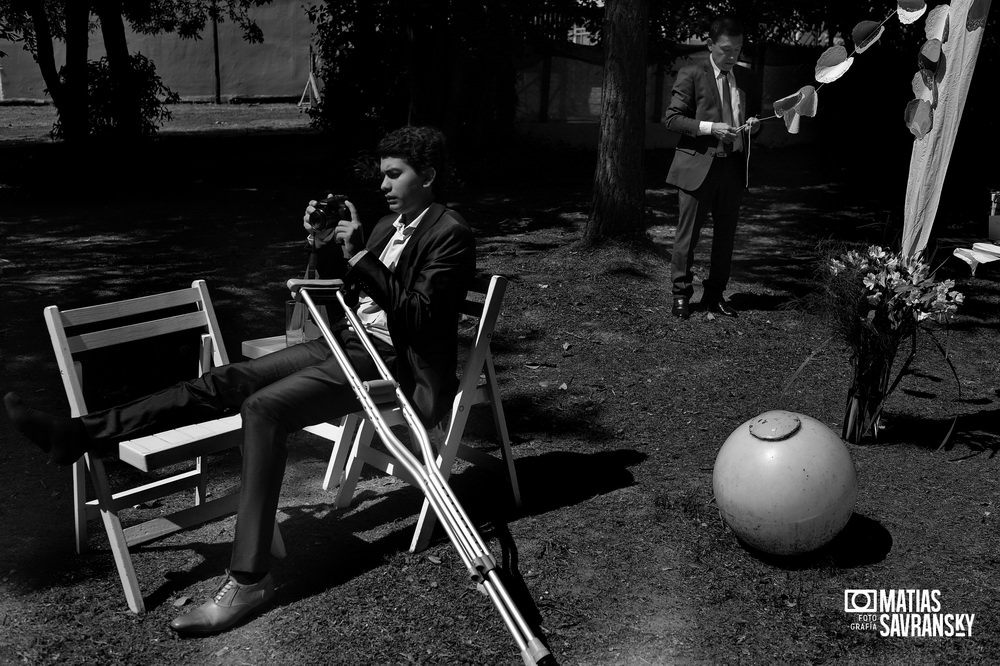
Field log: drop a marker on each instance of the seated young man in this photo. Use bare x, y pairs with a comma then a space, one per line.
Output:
410, 278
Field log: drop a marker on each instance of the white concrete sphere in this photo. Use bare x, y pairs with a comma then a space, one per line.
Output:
785, 483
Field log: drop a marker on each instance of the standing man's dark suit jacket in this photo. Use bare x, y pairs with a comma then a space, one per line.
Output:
695, 98
421, 299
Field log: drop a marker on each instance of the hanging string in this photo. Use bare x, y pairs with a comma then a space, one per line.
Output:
746, 125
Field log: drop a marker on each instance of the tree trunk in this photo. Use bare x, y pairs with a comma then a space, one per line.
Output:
74, 116
618, 180
44, 55
125, 102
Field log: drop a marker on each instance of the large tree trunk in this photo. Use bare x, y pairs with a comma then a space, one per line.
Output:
69, 96
74, 114
618, 180
44, 54
125, 103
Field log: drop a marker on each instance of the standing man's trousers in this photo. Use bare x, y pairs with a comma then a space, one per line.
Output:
720, 194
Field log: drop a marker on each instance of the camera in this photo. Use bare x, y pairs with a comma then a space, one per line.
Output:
329, 211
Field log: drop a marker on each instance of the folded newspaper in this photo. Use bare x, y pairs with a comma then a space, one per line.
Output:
981, 253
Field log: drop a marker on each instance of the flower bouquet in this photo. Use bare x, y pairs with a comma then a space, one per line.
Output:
877, 299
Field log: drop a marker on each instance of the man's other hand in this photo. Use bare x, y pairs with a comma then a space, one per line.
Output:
724, 132
349, 233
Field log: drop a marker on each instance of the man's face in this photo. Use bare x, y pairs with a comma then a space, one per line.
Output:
406, 191
725, 51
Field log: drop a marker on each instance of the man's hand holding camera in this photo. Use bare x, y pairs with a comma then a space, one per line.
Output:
334, 220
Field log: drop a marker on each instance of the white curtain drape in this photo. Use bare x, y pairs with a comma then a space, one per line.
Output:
931, 154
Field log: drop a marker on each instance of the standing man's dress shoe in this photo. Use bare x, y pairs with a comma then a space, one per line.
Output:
681, 307
231, 604
720, 306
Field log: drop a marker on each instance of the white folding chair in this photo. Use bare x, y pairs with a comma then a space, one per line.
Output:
125, 321
354, 436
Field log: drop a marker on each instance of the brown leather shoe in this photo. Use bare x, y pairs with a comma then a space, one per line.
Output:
231, 604
681, 308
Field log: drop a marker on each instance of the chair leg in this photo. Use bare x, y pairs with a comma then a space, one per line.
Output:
201, 464
342, 448
355, 463
116, 536
447, 453
500, 422
278, 544
80, 505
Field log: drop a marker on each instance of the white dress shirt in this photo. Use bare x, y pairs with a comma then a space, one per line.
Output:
372, 316
705, 126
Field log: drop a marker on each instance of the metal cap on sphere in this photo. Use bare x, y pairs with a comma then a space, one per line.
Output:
775, 425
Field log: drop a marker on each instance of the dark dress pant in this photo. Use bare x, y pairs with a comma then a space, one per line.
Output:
720, 194
276, 394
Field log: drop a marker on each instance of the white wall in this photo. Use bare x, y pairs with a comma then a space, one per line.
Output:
278, 67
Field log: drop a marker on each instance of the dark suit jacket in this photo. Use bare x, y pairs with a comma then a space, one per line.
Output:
421, 299
695, 98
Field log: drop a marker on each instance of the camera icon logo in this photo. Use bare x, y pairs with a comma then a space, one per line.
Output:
860, 601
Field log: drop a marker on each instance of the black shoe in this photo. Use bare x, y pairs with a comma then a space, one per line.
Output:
721, 307
231, 604
681, 308
63, 438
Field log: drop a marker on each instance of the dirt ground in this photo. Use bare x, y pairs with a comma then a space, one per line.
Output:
618, 555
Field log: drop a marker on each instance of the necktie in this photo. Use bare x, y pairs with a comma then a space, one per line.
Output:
727, 111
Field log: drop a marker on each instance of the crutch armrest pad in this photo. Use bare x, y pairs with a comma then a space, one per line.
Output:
295, 284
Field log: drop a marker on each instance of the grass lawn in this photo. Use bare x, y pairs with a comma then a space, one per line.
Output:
619, 555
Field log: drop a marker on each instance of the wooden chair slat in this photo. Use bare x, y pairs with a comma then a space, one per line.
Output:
134, 306
134, 332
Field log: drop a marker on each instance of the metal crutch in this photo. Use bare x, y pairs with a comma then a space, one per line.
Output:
385, 394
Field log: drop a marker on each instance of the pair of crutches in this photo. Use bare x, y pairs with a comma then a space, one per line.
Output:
385, 394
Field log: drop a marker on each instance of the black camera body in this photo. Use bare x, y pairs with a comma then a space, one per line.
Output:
329, 211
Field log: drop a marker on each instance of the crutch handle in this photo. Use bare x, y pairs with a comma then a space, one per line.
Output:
382, 391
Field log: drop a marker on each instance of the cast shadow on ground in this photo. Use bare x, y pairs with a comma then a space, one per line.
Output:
762, 302
862, 542
324, 541
538, 415
978, 433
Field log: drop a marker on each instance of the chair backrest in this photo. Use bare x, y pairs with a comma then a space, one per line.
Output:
484, 301
102, 326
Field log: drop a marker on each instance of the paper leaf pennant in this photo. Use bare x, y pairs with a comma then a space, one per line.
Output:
832, 64
919, 117
929, 54
976, 18
865, 34
936, 25
791, 108
925, 87
910, 10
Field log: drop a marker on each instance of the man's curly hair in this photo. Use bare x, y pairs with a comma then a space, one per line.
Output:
421, 148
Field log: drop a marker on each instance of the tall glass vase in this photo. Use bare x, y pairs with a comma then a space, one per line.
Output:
869, 390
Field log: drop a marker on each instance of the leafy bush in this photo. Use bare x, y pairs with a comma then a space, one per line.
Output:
148, 97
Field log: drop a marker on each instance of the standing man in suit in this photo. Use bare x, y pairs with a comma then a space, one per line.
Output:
708, 105
409, 280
